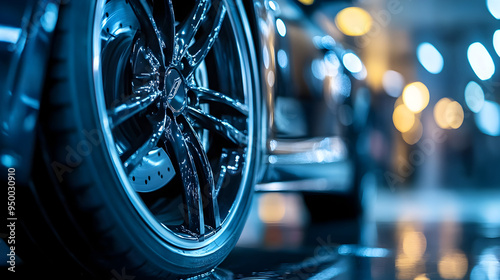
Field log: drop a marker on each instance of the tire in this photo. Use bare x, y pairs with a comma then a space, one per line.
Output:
149, 137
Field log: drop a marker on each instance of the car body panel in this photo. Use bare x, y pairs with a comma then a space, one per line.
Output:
310, 117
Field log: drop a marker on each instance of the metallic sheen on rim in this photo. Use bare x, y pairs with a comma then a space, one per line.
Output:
153, 83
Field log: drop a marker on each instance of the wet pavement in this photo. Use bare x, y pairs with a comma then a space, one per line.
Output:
415, 235
418, 236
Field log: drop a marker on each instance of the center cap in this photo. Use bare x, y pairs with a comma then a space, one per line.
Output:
176, 90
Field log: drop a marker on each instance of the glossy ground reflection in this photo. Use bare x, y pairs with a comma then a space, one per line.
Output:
432, 243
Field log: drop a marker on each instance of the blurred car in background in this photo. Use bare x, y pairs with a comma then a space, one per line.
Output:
138, 129
318, 104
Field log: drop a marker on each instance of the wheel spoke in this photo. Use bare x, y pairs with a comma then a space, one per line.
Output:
136, 158
192, 207
190, 27
146, 17
199, 50
223, 128
224, 160
163, 13
205, 94
205, 173
130, 106
178, 143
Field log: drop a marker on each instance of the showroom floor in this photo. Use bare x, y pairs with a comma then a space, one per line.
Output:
429, 234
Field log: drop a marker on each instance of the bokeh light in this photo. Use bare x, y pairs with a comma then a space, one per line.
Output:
328, 42
448, 114
430, 58
271, 207
9, 34
282, 59
454, 115
480, 61
414, 244
307, 2
361, 75
340, 86
280, 25
393, 83
440, 112
352, 62
318, 69
494, 7
403, 118
488, 119
453, 265
416, 96
332, 64
410, 255
398, 102
488, 265
353, 21
265, 57
421, 277
496, 41
412, 136
273, 5
474, 96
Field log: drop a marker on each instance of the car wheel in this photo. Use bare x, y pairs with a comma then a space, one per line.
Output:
149, 130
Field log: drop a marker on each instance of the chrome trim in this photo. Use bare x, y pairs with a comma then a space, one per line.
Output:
319, 160
319, 185
315, 150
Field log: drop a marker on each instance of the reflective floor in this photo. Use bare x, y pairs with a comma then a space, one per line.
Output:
433, 234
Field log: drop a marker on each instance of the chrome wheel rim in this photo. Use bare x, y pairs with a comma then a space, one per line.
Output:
177, 130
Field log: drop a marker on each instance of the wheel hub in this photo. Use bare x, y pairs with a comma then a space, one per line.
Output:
176, 90
148, 72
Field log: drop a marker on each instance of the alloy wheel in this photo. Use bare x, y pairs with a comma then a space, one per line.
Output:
178, 111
